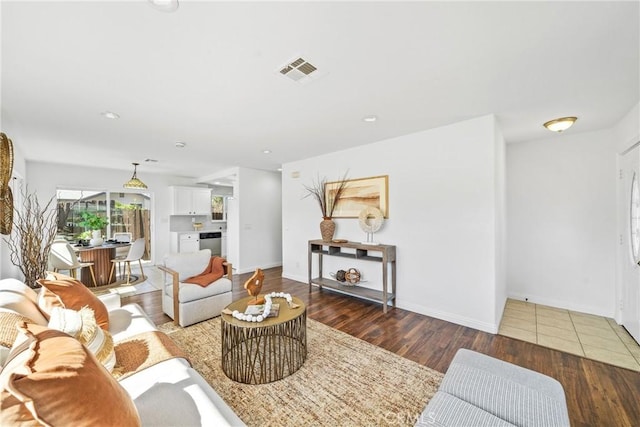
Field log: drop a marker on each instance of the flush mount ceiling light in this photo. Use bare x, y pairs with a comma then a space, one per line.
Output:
370, 119
110, 115
561, 124
164, 5
266, 151
134, 182
181, 144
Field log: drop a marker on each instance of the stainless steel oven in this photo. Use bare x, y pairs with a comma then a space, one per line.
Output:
213, 241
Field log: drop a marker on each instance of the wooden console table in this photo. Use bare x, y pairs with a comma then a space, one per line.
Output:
387, 256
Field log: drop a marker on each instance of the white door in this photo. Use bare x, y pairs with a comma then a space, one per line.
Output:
629, 204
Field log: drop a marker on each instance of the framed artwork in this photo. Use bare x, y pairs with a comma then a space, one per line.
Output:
360, 194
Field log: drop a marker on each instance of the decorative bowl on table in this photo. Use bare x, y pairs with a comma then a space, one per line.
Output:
197, 226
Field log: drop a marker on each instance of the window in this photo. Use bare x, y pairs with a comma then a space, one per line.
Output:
217, 208
127, 213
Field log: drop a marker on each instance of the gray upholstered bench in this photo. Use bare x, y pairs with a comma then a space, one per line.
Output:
479, 390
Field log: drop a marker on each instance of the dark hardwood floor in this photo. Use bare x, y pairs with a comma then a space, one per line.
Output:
597, 394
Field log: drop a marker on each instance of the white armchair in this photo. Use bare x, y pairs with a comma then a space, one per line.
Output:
188, 303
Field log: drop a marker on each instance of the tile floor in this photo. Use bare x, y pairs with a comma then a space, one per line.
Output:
586, 335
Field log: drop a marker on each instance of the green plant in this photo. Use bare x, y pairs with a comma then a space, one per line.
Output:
327, 202
93, 221
85, 235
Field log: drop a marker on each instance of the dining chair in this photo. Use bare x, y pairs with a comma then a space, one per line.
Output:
63, 257
136, 251
122, 237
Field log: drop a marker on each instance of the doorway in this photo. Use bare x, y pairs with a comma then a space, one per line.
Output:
127, 212
629, 225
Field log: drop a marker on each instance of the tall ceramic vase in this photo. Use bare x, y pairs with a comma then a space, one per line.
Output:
327, 228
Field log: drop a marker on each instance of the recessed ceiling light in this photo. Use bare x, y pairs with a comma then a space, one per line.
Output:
181, 144
164, 5
561, 124
266, 151
370, 119
279, 169
110, 115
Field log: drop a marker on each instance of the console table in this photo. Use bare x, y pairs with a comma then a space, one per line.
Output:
385, 254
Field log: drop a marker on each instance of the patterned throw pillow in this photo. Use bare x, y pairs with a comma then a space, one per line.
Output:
52, 379
9, 321
82, 326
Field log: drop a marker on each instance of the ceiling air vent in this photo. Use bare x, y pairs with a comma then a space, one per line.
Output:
300, 70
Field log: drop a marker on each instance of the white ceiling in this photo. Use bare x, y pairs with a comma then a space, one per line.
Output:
207, 75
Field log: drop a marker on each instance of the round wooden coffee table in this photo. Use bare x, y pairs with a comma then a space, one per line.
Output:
267, 351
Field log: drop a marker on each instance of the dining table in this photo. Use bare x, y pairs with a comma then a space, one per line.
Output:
100, 256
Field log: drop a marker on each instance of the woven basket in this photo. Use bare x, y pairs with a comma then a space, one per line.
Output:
6, 196
6, 160
6, 210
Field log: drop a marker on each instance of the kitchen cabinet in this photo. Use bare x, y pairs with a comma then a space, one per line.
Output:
191, 200
189, 242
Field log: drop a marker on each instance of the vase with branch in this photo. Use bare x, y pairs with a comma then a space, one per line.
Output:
327, 200
34, 230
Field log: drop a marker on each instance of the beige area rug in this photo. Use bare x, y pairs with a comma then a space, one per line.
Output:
120, 287
344, 381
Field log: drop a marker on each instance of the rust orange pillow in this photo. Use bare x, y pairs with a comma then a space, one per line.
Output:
50, 378
67, 292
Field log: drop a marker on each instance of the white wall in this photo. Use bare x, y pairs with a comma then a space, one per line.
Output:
628, 129
501, 223
443, 204
561, 204
256, 203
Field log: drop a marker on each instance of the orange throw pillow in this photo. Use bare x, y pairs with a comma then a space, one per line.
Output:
52, 379
213, 272
67, 292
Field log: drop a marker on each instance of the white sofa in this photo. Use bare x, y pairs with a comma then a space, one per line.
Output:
169, 393
187, 303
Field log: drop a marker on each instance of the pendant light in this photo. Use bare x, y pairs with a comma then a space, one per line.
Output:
134, 182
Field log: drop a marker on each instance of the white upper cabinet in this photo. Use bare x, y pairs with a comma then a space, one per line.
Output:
191, 201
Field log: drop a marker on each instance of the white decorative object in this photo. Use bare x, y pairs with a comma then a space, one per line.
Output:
267, 308
96, 238
370, 220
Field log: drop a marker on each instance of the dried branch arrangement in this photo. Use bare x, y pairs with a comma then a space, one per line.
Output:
327, 202
34, 229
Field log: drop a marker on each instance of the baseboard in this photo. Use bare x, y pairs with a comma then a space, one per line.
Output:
565, 305
450, 317
252, 269
302, 279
